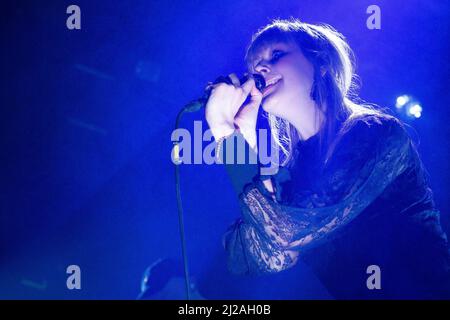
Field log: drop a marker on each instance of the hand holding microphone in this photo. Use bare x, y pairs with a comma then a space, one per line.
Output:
226, 107
223, 101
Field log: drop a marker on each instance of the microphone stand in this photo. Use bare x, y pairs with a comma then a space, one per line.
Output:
193, 106
180, 205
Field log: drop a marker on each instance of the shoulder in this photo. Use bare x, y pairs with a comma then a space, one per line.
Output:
374, 128
365, 135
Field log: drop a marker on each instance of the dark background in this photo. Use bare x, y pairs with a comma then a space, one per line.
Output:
86, 173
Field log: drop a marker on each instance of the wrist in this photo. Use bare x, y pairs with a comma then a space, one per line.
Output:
222, 131
250, 137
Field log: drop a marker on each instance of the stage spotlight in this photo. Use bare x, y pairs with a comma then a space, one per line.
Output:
401, 101
414, 110
408, 106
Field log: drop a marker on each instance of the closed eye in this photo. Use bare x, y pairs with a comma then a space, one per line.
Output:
276, 55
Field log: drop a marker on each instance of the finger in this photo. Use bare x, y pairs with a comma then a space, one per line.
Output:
220, 79
248, 86
213, 85
234, 79
209, 85
255, 93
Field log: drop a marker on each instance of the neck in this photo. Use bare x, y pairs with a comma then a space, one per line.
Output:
308, 123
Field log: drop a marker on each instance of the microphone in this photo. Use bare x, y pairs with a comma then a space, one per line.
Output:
196, 105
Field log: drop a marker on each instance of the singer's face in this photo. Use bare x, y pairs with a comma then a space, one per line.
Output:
284, 63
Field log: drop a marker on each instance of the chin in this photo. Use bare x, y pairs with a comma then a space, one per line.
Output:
265, 107
271, 106
268, 104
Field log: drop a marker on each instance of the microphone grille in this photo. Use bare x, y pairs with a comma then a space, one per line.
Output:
259, 81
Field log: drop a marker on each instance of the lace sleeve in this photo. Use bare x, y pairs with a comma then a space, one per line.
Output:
367, 159
248, 252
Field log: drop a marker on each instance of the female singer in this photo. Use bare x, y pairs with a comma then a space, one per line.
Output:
351, 196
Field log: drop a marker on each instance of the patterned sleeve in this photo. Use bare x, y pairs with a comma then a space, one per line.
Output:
270, 234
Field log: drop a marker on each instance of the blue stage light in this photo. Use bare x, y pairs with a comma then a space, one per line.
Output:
408, 106
401, 101
415, 110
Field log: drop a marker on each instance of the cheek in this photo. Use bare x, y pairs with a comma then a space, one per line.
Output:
305, 79
298, 85
299, 78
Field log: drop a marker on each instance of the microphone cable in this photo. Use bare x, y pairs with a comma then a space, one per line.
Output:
193, 106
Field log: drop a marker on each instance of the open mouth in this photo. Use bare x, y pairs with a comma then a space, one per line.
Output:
271, 87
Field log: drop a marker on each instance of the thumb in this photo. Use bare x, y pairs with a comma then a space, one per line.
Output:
249, 87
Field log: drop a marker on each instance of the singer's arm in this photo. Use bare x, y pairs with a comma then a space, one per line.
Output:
243, 233
240, 160
369, 158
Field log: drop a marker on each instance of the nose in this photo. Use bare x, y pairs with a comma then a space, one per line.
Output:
262, 68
